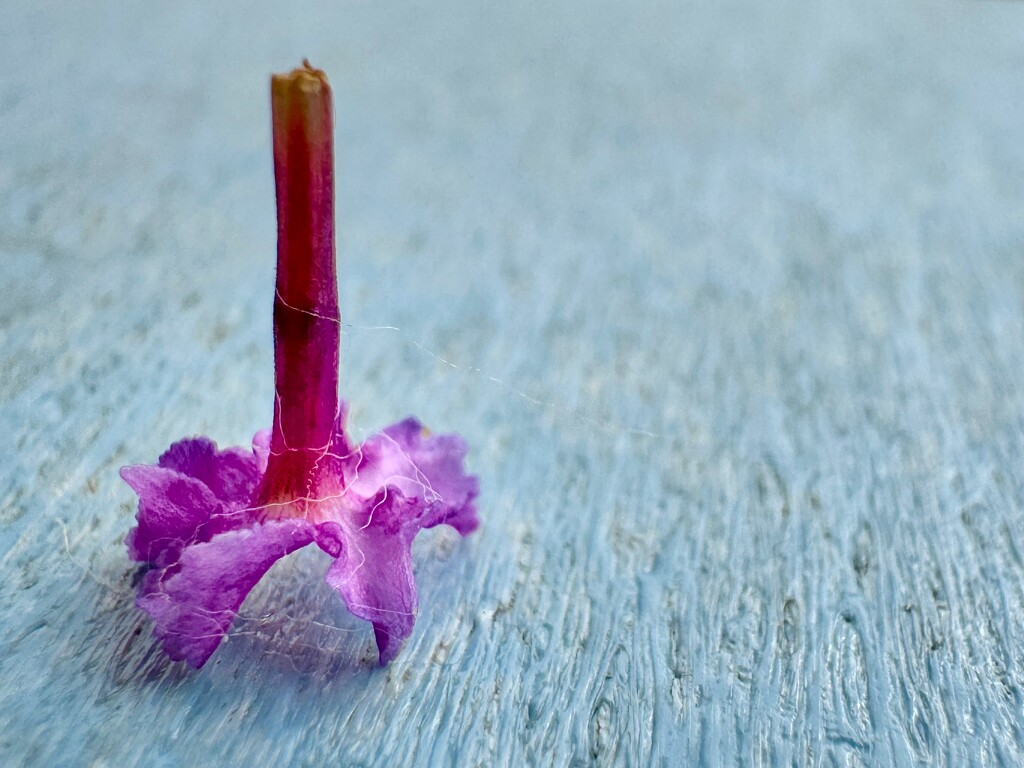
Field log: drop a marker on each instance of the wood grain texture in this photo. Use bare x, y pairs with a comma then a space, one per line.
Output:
728, 299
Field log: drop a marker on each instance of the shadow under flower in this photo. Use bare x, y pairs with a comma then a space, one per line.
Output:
291, 626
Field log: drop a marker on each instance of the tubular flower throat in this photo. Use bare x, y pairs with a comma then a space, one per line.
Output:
212, 522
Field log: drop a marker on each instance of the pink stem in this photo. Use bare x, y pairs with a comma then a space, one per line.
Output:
307, 321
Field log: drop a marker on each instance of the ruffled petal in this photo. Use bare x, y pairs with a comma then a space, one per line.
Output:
373, 569
172, 509
423, 466
194, 601
261, 449
194, 492
232, 474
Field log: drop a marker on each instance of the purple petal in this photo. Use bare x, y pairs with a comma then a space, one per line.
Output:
423, 466
261, 449
172, 509
231, 474
373, 572
194, 492
194, 601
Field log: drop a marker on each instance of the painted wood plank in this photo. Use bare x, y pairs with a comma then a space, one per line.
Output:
726, 297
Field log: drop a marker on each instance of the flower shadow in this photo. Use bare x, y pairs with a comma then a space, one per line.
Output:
291, 626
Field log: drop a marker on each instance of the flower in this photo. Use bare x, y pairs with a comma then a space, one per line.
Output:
212, 522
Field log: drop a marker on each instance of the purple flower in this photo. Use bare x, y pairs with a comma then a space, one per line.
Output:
211, 522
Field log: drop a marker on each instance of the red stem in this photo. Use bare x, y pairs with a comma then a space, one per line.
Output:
307, 321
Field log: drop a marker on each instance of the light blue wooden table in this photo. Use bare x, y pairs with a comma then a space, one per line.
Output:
728, 299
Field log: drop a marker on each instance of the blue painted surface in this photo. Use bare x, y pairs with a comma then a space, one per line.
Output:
727, 298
